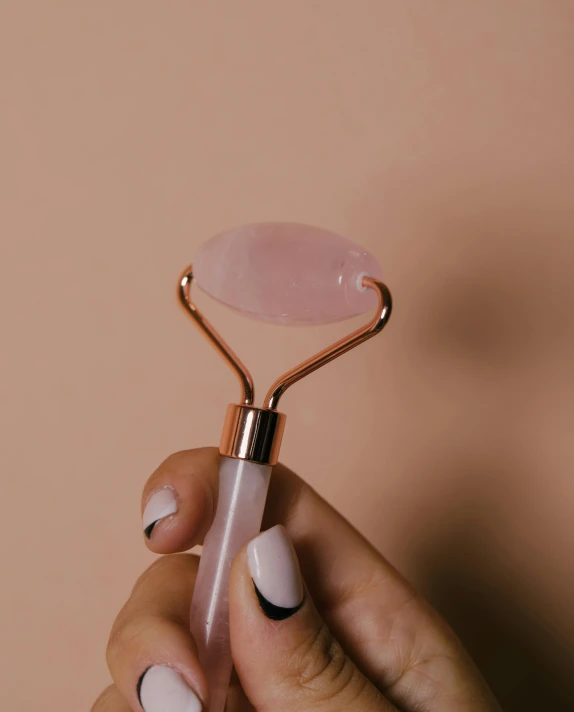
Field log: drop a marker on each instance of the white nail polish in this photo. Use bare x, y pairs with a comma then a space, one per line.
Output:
275, 572
162, 689
160, 505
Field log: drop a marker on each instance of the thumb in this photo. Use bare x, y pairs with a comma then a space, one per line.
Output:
284, 654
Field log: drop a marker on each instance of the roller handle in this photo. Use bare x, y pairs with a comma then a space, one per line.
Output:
242, 492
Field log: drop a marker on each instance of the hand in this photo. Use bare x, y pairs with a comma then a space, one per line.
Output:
349, 635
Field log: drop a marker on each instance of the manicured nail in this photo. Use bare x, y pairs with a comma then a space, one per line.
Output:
162, 689
160, 505
275, 572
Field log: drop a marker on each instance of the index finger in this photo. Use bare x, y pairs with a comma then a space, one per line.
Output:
179, 502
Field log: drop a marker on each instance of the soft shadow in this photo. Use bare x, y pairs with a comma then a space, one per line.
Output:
498, 315
523, 663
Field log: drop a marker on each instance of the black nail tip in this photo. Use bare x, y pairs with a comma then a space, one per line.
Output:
139, 686
275, 613
149, 529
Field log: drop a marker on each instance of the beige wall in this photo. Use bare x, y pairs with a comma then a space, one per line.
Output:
438, 134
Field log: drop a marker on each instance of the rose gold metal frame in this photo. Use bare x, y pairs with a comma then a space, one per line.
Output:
303, 369
338, 348
236, 364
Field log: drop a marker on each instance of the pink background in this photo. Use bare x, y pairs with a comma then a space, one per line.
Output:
438, 134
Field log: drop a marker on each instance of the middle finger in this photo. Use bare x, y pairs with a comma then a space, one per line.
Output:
151, 653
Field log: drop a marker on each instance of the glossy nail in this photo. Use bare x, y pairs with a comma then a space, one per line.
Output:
275, 572
160, 505
162, 689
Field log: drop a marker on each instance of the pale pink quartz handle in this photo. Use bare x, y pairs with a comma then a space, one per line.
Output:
242, 492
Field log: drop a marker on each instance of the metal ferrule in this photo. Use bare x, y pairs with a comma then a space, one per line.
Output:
252, 434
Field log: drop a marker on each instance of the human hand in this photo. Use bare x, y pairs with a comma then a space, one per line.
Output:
329, 628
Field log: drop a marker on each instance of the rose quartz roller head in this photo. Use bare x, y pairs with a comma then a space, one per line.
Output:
284, 273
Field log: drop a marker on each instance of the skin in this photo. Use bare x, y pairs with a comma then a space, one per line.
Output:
363, 641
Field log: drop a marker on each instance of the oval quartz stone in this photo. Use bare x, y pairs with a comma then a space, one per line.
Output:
287, 273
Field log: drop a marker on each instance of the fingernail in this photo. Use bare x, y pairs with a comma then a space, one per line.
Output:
160, 505
275, 572
161, 689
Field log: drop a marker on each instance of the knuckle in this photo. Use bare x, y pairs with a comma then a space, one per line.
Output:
182, 461
172, 465
166, 568
106, 702
171, 561
173, 461
121, 637
128, 636
323, 671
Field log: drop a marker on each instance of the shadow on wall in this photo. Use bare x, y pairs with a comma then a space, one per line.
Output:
501, 314
495, 311
523, 663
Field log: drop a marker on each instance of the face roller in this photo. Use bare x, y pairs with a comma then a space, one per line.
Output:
282, 273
